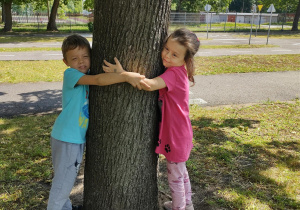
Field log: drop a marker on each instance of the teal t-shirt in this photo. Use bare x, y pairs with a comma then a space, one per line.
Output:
72, 123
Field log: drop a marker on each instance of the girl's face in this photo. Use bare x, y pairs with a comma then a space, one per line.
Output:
79, 59
173, 53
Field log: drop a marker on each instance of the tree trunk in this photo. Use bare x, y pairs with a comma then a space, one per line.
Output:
296, 19
7, 16
52, 20
120, 170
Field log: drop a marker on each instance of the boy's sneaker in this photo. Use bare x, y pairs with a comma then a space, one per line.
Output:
80, 207
168, 206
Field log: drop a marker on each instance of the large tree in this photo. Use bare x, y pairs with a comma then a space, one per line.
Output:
120, 170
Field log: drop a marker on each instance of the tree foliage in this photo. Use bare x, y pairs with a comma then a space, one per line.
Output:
198, 5
241, 5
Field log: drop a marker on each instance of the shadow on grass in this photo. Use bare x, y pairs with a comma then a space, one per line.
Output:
229, 172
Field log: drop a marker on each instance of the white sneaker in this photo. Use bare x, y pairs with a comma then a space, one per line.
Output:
168, 206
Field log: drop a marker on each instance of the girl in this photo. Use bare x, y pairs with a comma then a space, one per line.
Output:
175, 133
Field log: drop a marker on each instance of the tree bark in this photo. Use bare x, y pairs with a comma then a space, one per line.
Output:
7, 16
296, 19
52, 20
120, 170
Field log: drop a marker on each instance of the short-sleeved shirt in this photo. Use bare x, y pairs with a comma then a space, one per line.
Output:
72, 123
175, 131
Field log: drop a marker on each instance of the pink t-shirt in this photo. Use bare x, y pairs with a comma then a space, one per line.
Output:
175, 130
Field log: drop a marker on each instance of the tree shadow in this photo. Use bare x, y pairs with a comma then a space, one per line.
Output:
46, 101
221, 162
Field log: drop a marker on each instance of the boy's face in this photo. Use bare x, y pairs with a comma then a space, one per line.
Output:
173, 53
79, 59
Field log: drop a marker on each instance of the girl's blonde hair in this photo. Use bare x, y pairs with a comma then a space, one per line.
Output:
190, 41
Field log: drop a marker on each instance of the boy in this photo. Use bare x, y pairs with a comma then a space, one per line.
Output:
69, 130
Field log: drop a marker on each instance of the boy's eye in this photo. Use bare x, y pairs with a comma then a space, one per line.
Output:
174, 55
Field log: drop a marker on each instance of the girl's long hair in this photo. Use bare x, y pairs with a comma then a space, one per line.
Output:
190, 41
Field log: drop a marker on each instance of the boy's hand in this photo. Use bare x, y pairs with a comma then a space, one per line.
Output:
113, 68
135, 79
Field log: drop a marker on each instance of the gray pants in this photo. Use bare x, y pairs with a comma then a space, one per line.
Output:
66, 159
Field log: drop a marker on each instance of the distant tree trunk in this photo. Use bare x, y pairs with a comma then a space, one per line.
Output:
7, 16
120, 170
296, 19
52, 20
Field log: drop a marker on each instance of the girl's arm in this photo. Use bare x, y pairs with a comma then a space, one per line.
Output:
153, 84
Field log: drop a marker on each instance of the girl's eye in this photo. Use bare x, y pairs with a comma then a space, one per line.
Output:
166, 49
174, 55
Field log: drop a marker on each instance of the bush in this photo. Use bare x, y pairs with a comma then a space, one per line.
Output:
91, 26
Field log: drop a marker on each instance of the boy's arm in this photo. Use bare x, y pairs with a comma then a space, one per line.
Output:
135, 79
153, 84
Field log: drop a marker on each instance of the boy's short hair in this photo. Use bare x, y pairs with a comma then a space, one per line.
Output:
73, 41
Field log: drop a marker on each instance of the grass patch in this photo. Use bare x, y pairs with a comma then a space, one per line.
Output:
247, 155
29, 49
31, 71
246, 63
240, 46
50, 71
28, 37
25, 162
244, 157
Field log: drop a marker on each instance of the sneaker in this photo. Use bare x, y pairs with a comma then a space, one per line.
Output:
80, 207
168, 206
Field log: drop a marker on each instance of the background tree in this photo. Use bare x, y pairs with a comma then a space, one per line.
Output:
241, 5
296, 19
120, 170
51, 26
6, 7
198, 5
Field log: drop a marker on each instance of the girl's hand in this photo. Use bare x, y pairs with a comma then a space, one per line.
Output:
113, 68
136, 80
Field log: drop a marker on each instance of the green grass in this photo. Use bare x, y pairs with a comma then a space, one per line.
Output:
31, 71
248, 156
49, 71
25, 162
246, 64
29, 49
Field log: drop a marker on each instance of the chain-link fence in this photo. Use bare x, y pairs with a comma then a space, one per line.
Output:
216, 21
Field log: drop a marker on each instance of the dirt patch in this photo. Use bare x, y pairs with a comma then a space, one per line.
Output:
198, 198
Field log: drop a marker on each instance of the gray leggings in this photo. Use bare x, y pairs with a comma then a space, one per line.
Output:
66, 159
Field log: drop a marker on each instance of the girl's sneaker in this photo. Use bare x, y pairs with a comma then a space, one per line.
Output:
168, 206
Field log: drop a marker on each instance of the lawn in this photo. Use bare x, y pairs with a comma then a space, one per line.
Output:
244, 157
50, 71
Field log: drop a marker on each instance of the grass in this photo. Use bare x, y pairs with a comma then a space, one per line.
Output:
248, 155
50, 71
246, 64
29, 49
244, 157
31, 71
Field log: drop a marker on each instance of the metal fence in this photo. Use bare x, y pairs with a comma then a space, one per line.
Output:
182, 18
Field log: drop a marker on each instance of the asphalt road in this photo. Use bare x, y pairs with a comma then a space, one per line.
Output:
213, 90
